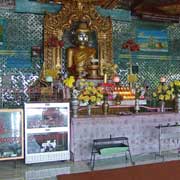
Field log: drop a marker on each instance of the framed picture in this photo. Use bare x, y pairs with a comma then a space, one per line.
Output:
11, 134
2, 33
155, 40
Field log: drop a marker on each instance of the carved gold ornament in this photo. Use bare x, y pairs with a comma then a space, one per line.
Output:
76, 11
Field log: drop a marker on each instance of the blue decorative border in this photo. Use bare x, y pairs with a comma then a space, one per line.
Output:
17, 62
27, 6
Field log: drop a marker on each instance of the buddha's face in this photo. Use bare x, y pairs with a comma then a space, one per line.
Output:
83, 37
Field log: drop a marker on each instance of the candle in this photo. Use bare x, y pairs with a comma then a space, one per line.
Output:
116, 79
105, 78
162, 79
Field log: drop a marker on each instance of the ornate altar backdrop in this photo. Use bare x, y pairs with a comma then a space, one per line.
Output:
75, 12
26, 30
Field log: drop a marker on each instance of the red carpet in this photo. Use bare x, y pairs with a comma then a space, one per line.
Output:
156, 171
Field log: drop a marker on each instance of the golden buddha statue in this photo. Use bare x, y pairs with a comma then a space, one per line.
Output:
79, 58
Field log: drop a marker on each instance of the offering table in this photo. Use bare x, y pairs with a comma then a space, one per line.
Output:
139, 128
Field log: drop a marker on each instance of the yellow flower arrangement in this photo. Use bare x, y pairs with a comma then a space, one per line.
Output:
132, 78
89, 93
69, 82
163, 93
175, 86
85, 91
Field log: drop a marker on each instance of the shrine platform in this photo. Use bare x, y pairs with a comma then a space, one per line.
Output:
139, 128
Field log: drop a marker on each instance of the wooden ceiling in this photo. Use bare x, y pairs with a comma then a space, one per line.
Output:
156, 10
159, 10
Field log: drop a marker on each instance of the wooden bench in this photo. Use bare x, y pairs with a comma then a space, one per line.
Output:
109, 146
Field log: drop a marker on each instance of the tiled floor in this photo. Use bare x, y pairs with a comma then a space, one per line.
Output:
11, 170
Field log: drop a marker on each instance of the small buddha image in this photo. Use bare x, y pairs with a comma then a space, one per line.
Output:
80, 57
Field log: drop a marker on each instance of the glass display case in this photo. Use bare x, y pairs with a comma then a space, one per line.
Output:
11, 134
47, 132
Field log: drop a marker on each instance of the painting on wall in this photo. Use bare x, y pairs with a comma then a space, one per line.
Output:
155, 40
33, 6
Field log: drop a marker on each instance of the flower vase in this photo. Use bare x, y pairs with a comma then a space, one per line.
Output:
66, 93
162, 106
137, 108
89, 109
154, 102
177, 103
105, 105
74, 107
